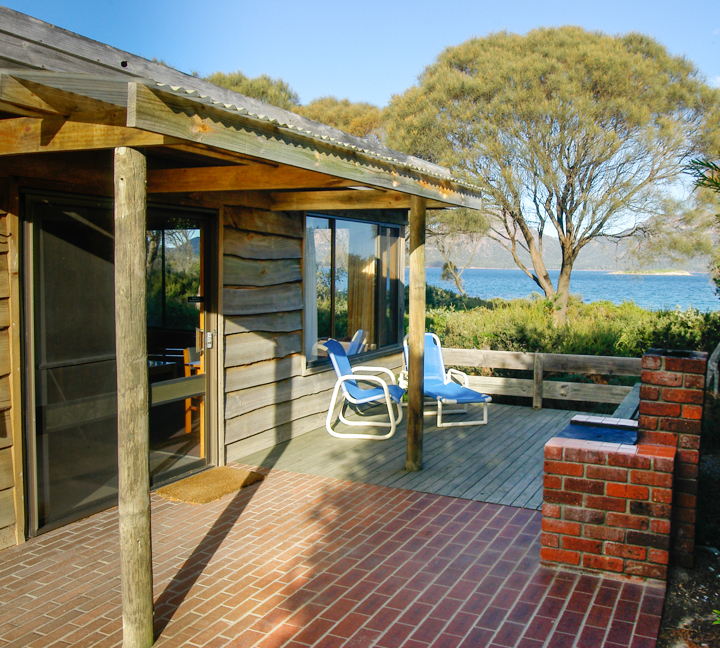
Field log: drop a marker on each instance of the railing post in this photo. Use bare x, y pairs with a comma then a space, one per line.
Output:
537, 381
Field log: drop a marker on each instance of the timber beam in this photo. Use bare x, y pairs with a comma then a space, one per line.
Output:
239, 178
344, 199
56, 133
30, 96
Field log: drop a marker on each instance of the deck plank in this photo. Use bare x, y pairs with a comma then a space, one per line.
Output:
500, 462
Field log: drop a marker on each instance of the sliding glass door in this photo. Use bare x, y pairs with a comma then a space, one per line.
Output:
70, 379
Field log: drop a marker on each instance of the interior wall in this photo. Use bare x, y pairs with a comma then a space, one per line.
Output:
268, 400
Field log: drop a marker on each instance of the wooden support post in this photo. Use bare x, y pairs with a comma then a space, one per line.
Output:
132, 395
537, 381
416, 340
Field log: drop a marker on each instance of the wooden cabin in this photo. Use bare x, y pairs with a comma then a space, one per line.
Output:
265, 233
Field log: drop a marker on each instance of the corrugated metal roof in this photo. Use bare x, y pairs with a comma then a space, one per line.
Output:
27, 42
284, 119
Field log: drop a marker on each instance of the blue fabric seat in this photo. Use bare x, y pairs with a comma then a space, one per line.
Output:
440, 385
347, 388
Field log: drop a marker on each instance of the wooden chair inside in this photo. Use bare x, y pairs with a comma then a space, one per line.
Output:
193, 366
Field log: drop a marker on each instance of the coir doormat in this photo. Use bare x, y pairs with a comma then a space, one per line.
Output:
209, 485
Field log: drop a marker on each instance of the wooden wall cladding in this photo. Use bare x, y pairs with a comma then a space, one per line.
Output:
7, 476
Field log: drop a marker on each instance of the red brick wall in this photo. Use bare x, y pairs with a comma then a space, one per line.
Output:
607, 506
671, 410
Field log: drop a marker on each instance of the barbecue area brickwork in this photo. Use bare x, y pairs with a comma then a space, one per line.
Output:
671, 411
607, 507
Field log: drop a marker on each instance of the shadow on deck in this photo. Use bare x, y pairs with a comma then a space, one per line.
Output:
501, 462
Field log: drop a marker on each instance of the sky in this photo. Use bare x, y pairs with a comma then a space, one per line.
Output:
366, 50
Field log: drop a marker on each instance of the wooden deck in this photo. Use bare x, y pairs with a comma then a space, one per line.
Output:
500, 462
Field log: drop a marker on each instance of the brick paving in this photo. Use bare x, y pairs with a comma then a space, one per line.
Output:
300, 561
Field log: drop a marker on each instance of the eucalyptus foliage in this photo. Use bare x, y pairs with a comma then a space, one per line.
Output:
357, 118
565, 131
273, 91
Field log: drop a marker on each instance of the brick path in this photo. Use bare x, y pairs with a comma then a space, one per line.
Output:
302, 561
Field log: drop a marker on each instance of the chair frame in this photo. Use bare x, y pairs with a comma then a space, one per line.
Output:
449, 375
340, 390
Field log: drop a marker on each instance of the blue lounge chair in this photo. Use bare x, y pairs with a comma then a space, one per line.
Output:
347, 383
439, 384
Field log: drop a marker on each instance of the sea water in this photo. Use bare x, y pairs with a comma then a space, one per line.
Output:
652, 292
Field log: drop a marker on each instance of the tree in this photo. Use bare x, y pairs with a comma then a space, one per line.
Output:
456, 232
360, 119
272, 91
686, 228
568, 133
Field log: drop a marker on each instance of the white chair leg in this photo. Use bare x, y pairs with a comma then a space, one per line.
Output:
440, 423
375, 437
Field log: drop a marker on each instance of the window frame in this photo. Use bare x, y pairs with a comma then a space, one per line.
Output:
396, 224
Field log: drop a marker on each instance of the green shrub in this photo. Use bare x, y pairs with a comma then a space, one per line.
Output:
599, 328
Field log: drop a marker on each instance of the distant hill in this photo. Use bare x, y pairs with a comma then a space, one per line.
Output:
599, 254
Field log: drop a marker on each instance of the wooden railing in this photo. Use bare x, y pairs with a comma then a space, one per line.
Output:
539, 364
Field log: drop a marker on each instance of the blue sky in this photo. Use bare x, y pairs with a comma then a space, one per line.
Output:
362, 50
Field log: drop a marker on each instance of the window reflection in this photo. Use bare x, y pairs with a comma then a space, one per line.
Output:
351, 284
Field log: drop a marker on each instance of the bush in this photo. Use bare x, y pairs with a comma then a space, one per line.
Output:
599, 328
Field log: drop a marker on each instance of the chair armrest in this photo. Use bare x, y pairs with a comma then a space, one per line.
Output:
403, 379
452, 373
375, 380
380, 369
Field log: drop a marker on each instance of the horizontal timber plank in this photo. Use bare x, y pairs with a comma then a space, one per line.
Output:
584, 364
248, 348
271, 299
262, 373
551, 389
4, 352
4, 276
5, 392
486, 358
263, 221
266, 418
7, 508
4, 313
252, 245
272, 322
270, 438
256, 272
585, 392
504, 386
243, 401
6, 439
280, 390
6, 469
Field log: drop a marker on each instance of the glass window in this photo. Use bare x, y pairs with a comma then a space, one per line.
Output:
351, 284
172, 260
